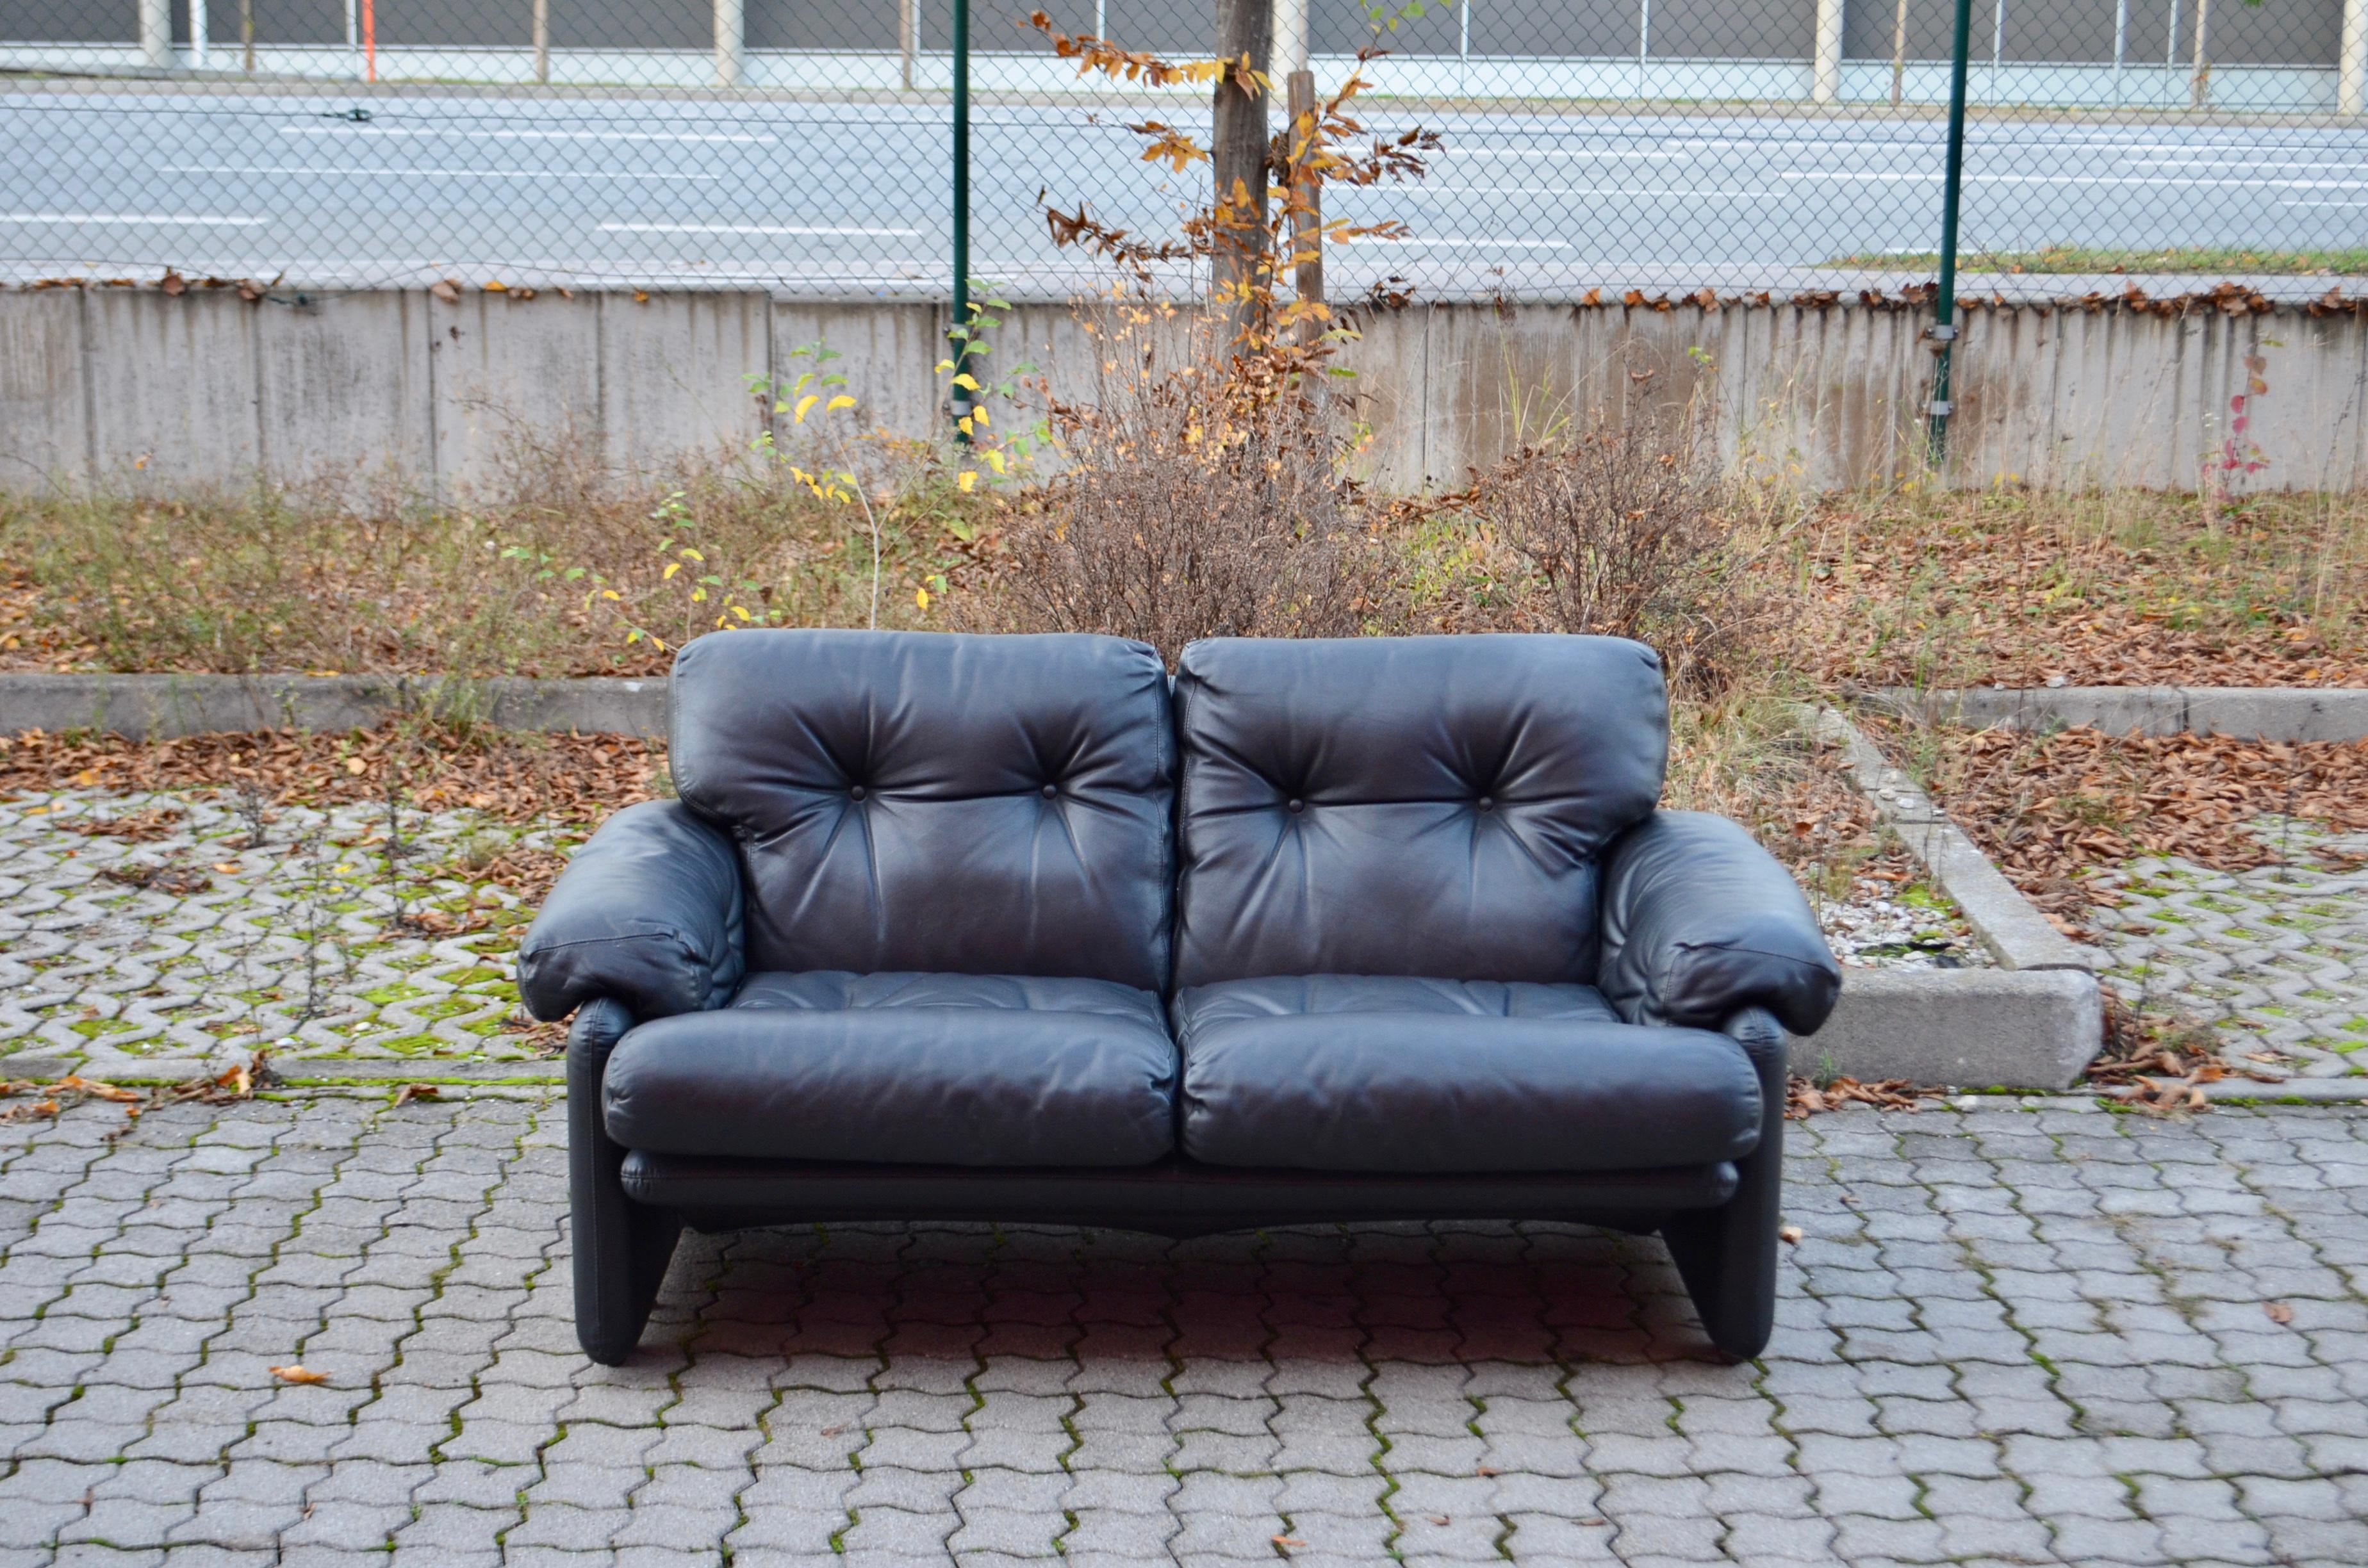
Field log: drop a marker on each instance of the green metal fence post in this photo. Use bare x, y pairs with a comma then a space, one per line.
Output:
959, 332
1943, 331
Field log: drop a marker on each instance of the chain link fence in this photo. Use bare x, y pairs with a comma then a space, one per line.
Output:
805, 145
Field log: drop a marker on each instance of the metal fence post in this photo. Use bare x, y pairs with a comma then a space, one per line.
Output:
1825, 68
731, 42
2351, 59
1944, 313
960, 331
156, 34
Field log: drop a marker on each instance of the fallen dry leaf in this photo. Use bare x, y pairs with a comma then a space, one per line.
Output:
1288, 1542
410, 1092
299, 1375
155, 822
1789, 1233
98, 1089
1804, 1099
2279, 1312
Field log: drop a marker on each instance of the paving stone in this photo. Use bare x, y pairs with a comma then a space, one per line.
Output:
2004, 1351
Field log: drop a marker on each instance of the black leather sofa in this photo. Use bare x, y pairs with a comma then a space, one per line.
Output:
1015, 928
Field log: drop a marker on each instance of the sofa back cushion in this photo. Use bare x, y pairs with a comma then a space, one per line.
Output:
1407, 805
933, 803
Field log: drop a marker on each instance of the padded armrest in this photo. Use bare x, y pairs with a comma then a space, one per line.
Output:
649, 912
1700, 922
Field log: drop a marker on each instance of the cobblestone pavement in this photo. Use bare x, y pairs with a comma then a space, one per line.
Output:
192, 936
2008, 1336
2277, 956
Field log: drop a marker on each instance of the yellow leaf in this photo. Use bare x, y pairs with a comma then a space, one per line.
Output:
806, 402
740, 611
995, 462
967, 382
611, 593
963, 424
299, 1375
694, 554
498, 287
672, 567
979, 415
966, 481
834, 404
699, 596
921, 597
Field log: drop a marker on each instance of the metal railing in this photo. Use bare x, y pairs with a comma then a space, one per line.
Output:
809, 146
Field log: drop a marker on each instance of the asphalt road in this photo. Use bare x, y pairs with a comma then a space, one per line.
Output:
838, 199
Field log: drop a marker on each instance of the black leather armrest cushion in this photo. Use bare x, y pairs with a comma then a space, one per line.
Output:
649, 912
1700, 922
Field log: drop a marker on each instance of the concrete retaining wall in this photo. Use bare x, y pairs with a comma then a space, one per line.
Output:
2260, 714
131, 388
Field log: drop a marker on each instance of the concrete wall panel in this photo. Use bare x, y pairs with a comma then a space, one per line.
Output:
510, 377
345, 387
173, 388
674, 373
44, 403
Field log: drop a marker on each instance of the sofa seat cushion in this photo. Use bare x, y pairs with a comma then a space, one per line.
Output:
1358, 1073
929, 1069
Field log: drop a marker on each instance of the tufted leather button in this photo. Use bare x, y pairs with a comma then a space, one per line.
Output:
1050, 790
855, 793
1487, 804
1298, 805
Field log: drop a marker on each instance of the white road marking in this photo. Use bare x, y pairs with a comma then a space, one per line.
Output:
1551, 153
192, 219
374, 132
1462, 240
755, 229
383, 173
2184, 182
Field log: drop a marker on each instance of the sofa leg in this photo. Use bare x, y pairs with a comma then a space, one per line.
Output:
1727, 1256
622, 1248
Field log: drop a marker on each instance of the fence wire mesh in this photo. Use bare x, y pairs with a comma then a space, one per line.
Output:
804, 145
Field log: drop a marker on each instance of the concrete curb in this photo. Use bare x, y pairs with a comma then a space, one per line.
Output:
303, 1073
1970, 1029
157, 707
2032, 1023
2015, 931
2259, 713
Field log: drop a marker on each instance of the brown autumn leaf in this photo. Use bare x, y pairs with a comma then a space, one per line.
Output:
1789, 1233
173, 283
98, 1089
299, 1375
410, 1092
446, 290
2279, 1312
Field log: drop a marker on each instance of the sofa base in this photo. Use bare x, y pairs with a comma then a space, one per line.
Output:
1173, 1198
1720, 1220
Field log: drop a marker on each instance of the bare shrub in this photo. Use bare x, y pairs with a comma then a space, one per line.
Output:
1624, 529
1206, 500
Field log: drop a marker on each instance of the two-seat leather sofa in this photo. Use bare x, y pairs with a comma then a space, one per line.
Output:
1017, 929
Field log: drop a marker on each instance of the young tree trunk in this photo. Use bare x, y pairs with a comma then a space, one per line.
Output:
1239, 287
